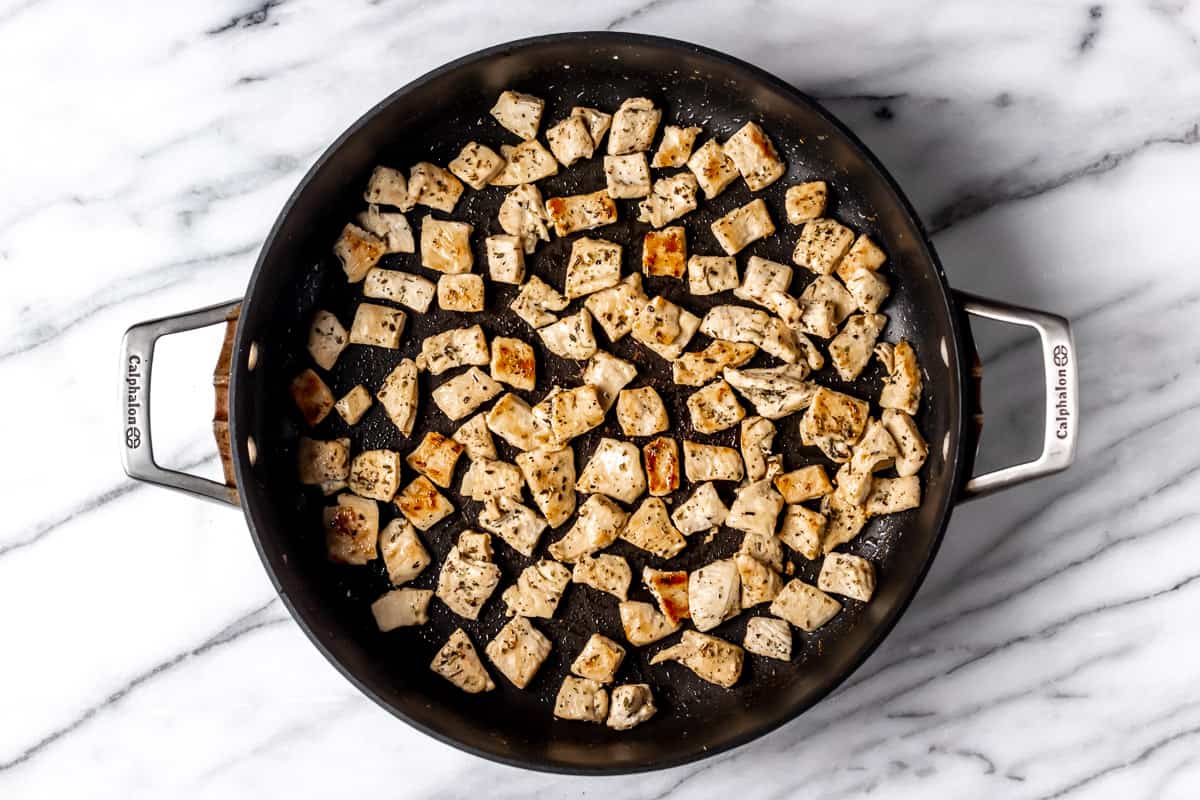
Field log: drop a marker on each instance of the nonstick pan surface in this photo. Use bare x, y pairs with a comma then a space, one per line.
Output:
431, 119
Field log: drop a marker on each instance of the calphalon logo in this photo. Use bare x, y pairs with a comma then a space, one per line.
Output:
133, 402
1059, 391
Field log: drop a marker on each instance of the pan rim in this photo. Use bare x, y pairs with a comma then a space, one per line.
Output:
958, 454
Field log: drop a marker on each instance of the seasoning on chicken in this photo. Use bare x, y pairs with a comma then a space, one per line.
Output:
570, 140
323, 461
519, 113
581, 699
640, 412
550, 475
628, 176
523, 214
375, 474
700, 367
714, 594
476, 164
775, 392
465, 392
605, 573
536, 300
596, 120
805, 606
581, 212
391, 227
401, 608
422, 504
399, 287
512, 420
459, 663
631, 705
518, 525
822, 244
518, 651
863, 255
460, 293
712, 659
457, 347
847, 575
670, 198
506, 258
377, 326
435, 458
599, 659
326, 339
476, 439
354, 404
742, 226
893, 495
670, 590
649, 528
902, 386
805, 201
595, 264
703, 511
609, 375
513, 362
662, 466
756, 439
486, 479
911, 445
468, 576
616, 308
735, 324
597, 525
869, 289
643, 624
664, 252
528, 162
834, 422
755, 156
714, 408
806, 483
851, 349
311, 396
538, 590
351, 530
403, 553
762, 277
711, 274
570, 337
709, 462
760, 583
844, 521
388, 186
664, 327
446, 246
398, 396
430, 185
570, 413
714, 170
358, 250
676, 146
876, 450
770, 637
633, 126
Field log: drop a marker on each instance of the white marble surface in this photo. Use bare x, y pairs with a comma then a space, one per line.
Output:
146, 147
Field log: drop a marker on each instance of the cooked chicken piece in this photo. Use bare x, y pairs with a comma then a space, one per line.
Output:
398, 396
713, 169
446, 246
377, 326
742, 226
902, 387
358, 250
513, 362
609, 375
518, 651
869, 289
422, 504
628, 176
570, 337
822, 244
476, 545
708, 462
658, 322
476, 164
595, 264
851, 349
506, 258
528, 162
599, 659
770, 637
434, 458
476, 439
519, 113
351, 530
762, 277
597, 525
664, 252
596, 120
756, 439
766, 547
760, 583
311, 396
755, 508
650, 529
569, 413
834, 422
430, 185
550, 475
755, 156
375, 474
401, 607
735, 324
536, 300
714, 594
775, 392
826, 305
326, 339
845, 521
805, 606
606, 573
323, 462
354, 404
788, 309
805, 201
640, 412
633, 126
701, 512
460, 293
876, 450
712, 659
806, 483
392, 228
714, 408
615, 470
688, 324
711, 274
518, 525
570, 140
891, 495
487, 478
467, 580
523, 214
670, 590
789, 345
512, 420
581, 212
847, 575
389, 187
616, 308
864, 254
676, 146
700, 367
669, 199
538, 590
403, 553
400, 287
909, 442
465, 392
458, 663
632, 704
662, 466
643, 623
581, 699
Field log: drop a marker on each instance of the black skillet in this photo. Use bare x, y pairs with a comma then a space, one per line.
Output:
430, 119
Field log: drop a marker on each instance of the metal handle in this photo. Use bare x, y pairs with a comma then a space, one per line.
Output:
1062, 395
137, 358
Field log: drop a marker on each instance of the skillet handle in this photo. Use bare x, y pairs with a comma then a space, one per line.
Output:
1062, 395
137, 358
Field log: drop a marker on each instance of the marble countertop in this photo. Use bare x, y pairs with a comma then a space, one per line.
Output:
146, 148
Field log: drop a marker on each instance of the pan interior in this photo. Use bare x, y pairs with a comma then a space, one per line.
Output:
296, 275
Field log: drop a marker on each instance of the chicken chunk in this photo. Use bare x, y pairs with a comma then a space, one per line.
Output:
755, 156
755, 440
640, 412
570, 140
400, 608
766, 547
391, 227
876, 450
514, 363
676, 146
398, 396
700, 367
631, 705
581, 212
703, 511
581, 699
847, 575
476, 164
326, 339
430, 185
609, 375
892, 495
571, 413
403, 553
388, 187
902, 387
486, 479
377, 326
506, 258
605, 573
523, 214
714, 408
834, 422
518, 651
759, 582
518, 525
354, 404
422, 504
714, 170
912, 450
570, 337
512, 420
323, 461
662, 466
805, 606
351, 530
670, 198
770, 637
615, 470
465, 392
615, 309
711, 274
851, 349
375, 474
714, 594
845, 521
806, 201
597, 525
712, 659
399, 287
707, 462
863, 255
359, 251
761, 278
528, 162
519, 113
743, 226
670, 591
446, 246
538, 590
599, 659
459, 663
435, 458
869, 290
775, 392
806, 483
460, 293
822, 244
536, 300
311, 396
550, 475
627, 176
650, 529
735, 324
596, 120
755, 508
633, 126
664, 252
466, 581
688, 323
664, 327
595, 264
643, 624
